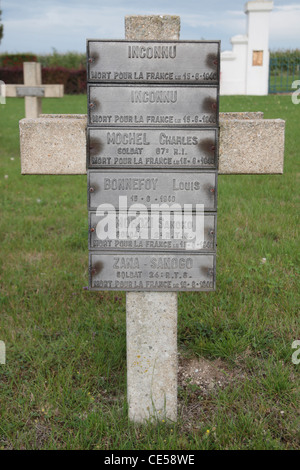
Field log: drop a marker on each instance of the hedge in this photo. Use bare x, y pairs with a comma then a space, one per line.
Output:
74, 81
291, 55
11, 75
15, 60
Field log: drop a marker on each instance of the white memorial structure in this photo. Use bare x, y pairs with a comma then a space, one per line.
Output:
245, 69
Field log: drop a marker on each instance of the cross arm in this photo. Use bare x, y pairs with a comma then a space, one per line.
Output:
56, 144
44, 91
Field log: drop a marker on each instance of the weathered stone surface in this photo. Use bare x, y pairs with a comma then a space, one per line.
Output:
64, 116
53, 146
56, 144
251, 146
151, 328
241, 116
152, 27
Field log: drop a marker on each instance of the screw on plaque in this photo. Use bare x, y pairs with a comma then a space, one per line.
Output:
91, 60
92, 190
212, 232
212, 190
210, 272
93, 271
92, 229
91, 105
213, 148
214, 106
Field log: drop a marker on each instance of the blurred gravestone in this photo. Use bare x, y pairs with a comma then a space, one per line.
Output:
33, 91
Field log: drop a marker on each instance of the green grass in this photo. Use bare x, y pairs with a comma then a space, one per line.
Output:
64, 383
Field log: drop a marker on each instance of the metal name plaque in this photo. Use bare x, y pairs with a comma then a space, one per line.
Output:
152, 272
150, 105
121, 189
153, 62
137, 232
30, 91
152, 148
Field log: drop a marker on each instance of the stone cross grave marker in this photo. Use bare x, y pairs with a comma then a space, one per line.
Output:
163, 97
33, 91
248, 145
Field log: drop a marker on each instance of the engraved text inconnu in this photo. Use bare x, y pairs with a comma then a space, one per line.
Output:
153, 96
151, 52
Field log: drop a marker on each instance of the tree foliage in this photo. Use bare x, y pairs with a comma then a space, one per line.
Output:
1, 27
291, 55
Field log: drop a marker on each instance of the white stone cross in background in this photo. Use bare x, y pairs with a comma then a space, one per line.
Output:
33, 91
57, 145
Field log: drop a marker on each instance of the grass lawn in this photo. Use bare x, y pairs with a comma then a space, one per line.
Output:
64, 382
